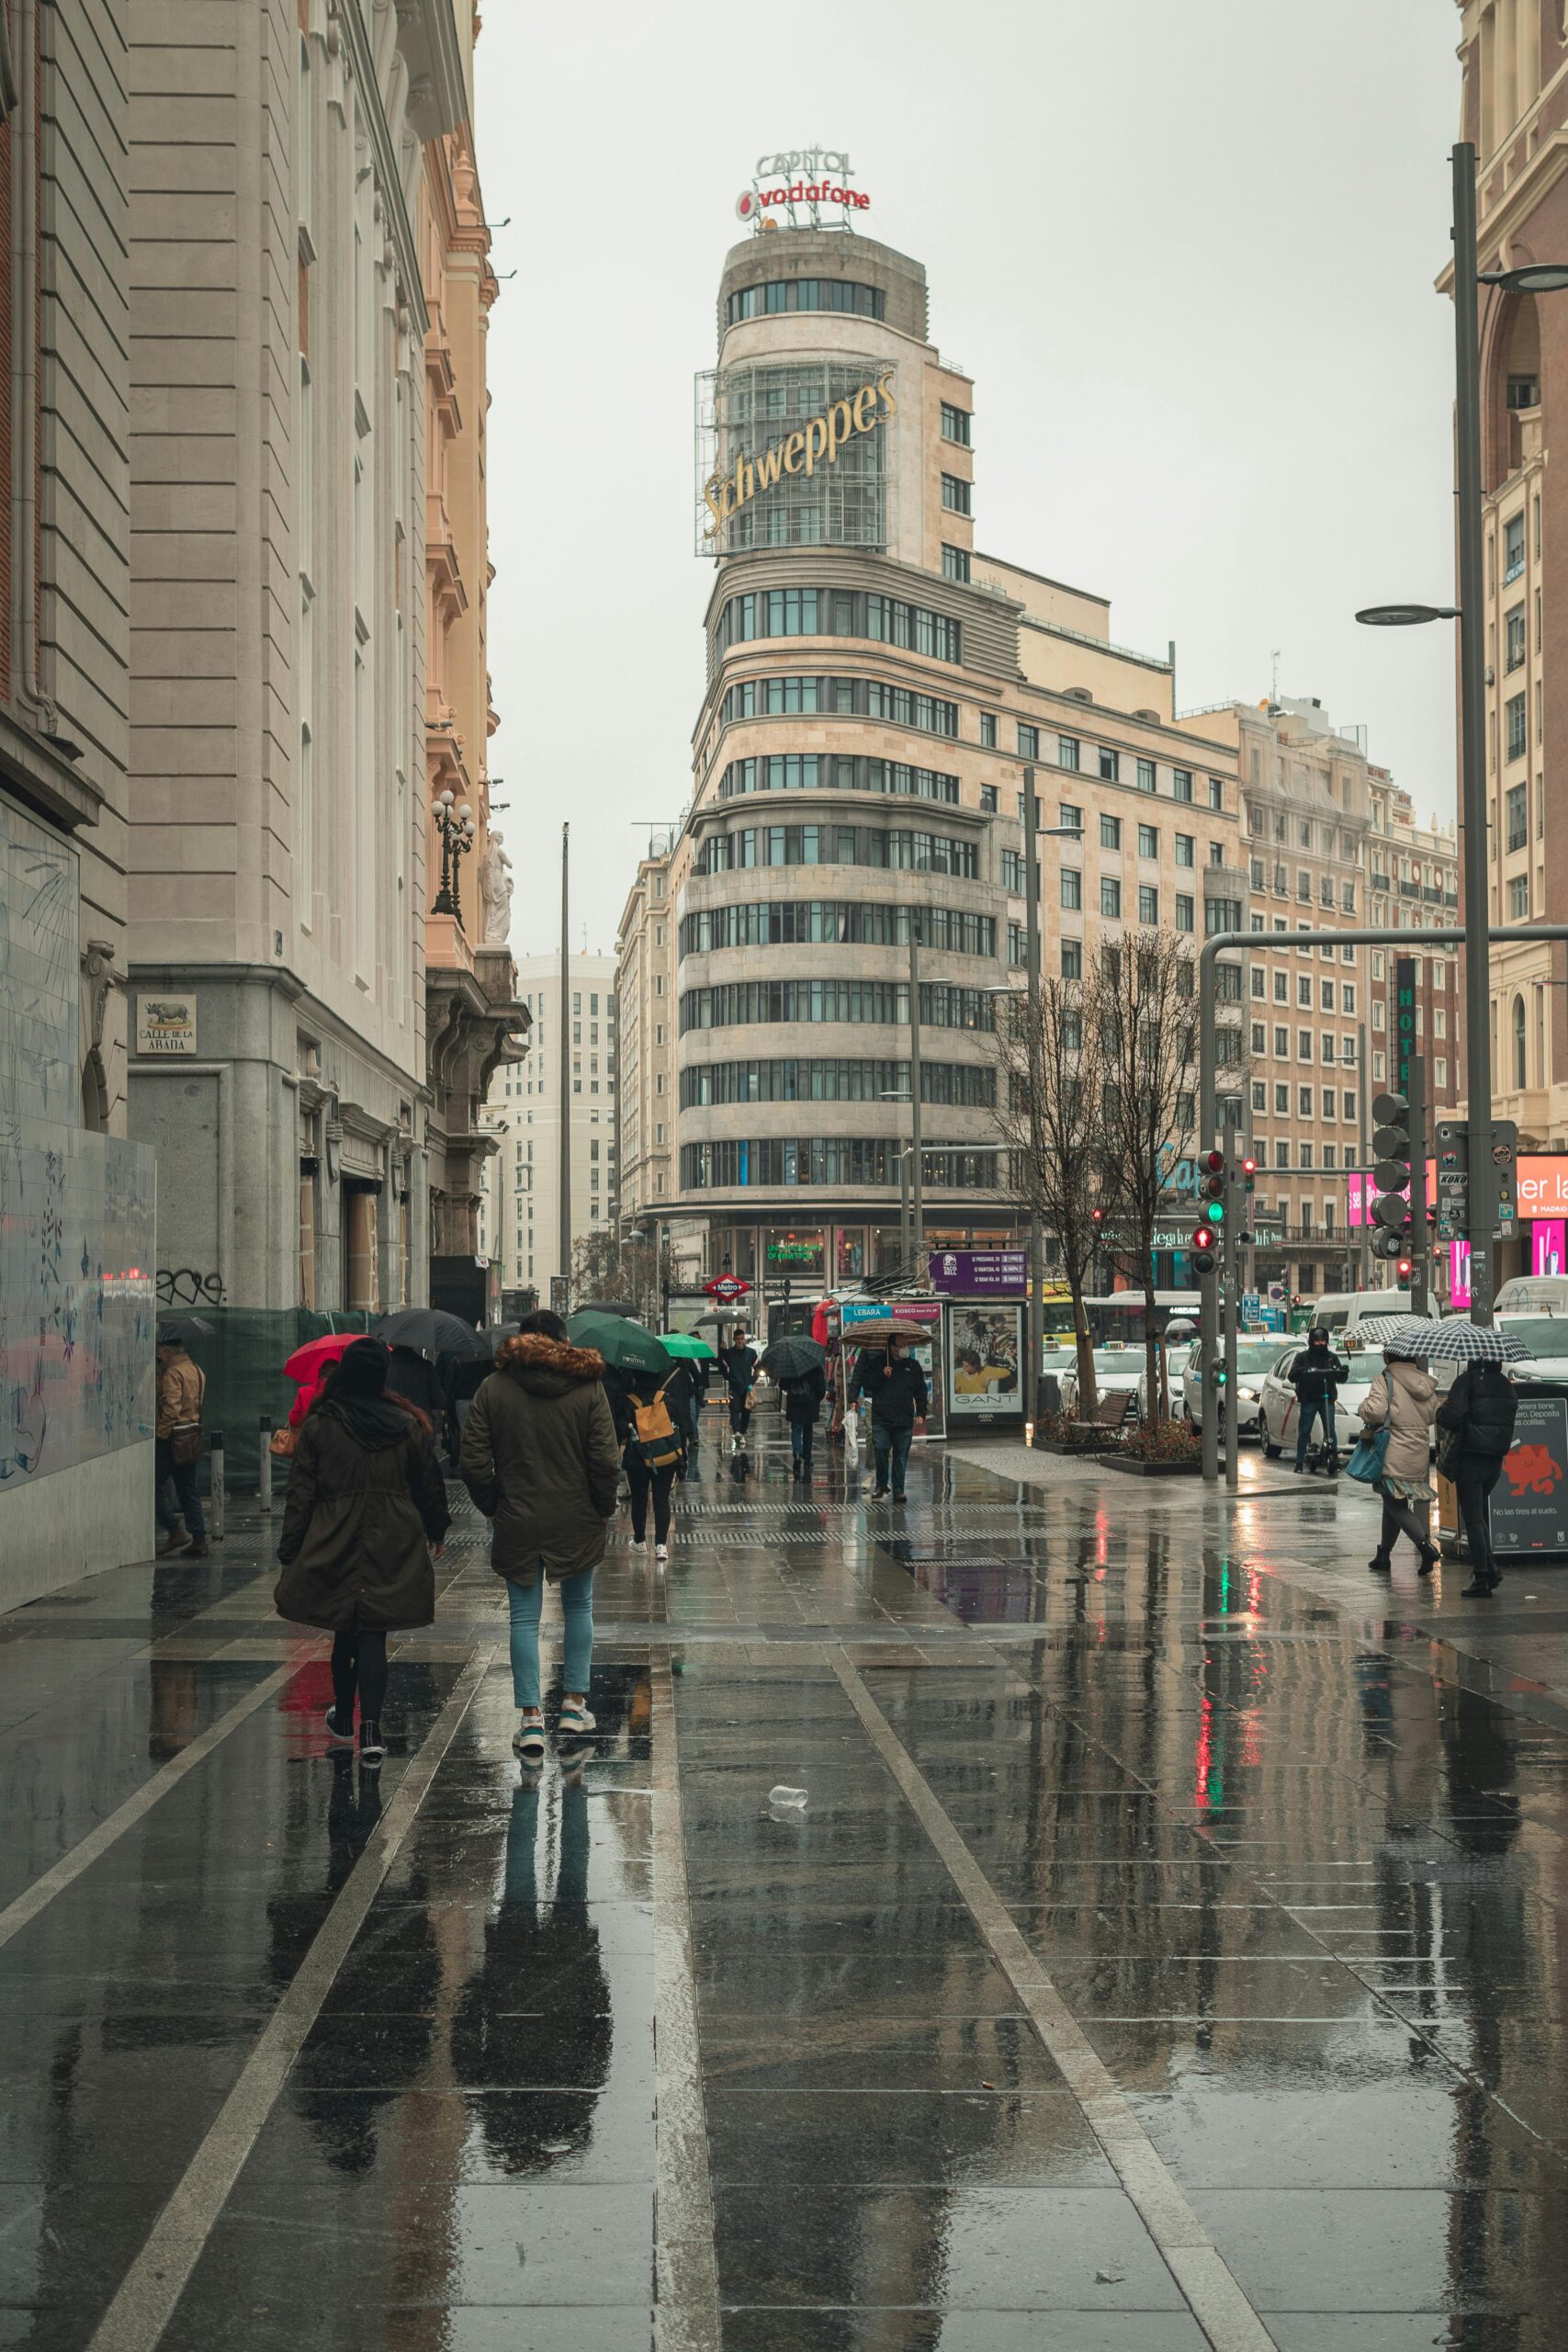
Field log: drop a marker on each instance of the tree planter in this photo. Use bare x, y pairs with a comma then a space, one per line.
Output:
1133, 1469
1073, 1452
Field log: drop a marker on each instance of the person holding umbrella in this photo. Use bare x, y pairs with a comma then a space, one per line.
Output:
738, 1361
1476, 1423
695, 1356
797, 1364
893, 1379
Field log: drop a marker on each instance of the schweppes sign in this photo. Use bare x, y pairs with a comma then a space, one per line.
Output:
800, 452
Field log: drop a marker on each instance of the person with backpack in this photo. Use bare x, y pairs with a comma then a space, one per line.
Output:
539, 1457
655, 1449
1477, 1424
739, 1362
1315, 1374
366, 1508
803, 1406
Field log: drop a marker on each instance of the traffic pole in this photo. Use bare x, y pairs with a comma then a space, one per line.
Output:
219, 1497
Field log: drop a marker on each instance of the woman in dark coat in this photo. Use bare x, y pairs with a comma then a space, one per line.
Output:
803, 1407
739, 1364
540, 1459
1476, 1422
366, 1504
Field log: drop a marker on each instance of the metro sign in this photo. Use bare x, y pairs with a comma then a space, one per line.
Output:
727, 1286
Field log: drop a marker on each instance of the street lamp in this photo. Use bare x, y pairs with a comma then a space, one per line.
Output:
1538, 278
455, 823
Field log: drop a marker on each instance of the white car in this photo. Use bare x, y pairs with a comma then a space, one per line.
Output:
1279, 1406
1547, 1338
1118, 1368
1253, 1358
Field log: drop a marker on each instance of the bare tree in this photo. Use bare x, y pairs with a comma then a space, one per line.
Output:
604, 1266
1142, 1008
1050, 1087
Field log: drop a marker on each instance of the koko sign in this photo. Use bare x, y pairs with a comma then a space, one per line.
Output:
800, 452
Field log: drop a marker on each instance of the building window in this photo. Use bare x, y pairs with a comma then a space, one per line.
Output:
1184, 912
1069, 813
1072, 959
1514, 637
956, 422
1512, 548
1519, 1070
1519, 898
807, 294
1185, 849
1517, 728
1304, 1045
988, 731
1145, 776
1182, 784
1109, 896
1259, 1095
1028, 742
1072, 889
1067, 755
1283, 1100
989, 800
955, 563
1109, 832
1110, 766
1148, 904
955, 494
1148, 841
1518, 806
1217, 793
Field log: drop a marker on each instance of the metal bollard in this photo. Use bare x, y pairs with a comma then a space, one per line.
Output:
266, 1488
219, 1497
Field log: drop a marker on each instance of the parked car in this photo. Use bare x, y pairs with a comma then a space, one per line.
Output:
1546, 1336
1534, 1295
1117, 1370
1253, 1358
1339, 1312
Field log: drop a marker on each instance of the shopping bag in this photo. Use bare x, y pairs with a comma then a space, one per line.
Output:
1366, 1463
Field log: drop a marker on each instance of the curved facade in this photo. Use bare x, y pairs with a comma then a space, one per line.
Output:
873, 686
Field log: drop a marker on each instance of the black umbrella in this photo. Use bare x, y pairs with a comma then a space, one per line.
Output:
621, 1306
174, 1326
794, 1354
432, 1332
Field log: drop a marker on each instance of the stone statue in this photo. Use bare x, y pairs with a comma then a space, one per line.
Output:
495, 891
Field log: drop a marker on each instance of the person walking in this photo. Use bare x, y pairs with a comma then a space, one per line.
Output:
739, 1362
896, 1384
539, 1457
1315, 1375
365, 1513
802, 1397
1477, 1424
176, 1454
654, 1450
1404, 1399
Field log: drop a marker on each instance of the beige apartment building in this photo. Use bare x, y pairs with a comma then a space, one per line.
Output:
875, 686
521, 1186
278, 743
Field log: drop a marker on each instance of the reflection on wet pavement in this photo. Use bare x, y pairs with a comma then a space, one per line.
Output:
1285, 1853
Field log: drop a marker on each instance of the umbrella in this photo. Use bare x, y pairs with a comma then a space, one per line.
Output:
791, 1356
432, 1332
626, 1346
734, 1316
305, 1363
1460, 1342
622, 1307
687, 1343
876, 1331
173, 1328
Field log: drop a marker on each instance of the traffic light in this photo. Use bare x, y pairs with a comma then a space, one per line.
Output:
1404, 1268
1390, 1211
1204, 1253
1211, 1187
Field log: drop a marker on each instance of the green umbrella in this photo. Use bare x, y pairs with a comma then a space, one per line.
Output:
687, 1343
628, 1347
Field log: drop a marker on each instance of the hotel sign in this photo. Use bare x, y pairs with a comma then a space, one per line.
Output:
801, 451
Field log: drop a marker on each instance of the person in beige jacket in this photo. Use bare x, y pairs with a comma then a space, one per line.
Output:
1403, 1396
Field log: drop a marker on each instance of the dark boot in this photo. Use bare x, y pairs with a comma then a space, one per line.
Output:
372, 1746
195, 1549
173, 1539
1380, 1567
1478, 1588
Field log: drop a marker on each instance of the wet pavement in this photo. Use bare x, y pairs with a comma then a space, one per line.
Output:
1170, 1951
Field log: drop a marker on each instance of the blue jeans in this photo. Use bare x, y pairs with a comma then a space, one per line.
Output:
1313, 1410
577, 1608
891, 1450
181, 1476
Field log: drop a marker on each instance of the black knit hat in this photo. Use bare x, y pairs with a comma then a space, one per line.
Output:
361, 1370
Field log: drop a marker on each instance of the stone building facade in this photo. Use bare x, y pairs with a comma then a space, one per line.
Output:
277, 755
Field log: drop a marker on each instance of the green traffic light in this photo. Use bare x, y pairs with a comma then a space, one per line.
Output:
1216, 1213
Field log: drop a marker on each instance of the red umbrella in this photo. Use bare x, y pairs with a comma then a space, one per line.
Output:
819, 1323
305, 1363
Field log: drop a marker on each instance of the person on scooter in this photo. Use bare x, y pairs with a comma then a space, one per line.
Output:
1315, 1375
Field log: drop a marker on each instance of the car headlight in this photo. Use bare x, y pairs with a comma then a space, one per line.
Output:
1248, 1396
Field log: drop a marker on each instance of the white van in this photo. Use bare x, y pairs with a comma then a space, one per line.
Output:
1340, 1312
1534, 1295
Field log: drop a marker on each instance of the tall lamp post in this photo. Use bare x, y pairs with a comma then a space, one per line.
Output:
1542, 277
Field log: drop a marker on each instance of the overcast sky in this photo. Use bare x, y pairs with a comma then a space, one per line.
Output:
1186, 248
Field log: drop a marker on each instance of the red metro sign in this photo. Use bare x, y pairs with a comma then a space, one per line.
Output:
727, 1286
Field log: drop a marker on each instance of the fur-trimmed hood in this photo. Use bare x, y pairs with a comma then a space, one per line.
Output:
547, 1367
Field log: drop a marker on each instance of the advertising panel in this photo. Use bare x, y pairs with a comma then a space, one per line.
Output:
1529, 1502
980, 1274
926, 1352
985, 1349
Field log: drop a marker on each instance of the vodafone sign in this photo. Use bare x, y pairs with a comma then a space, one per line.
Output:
808, 175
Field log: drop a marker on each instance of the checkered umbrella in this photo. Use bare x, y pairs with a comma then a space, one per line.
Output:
1457, 1341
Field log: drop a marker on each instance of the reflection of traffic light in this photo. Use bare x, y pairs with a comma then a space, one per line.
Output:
1390, 1210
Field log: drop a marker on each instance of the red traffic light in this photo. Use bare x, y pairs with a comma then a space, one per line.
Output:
1405, 1269
1203, 1239
1215, 1163
1097, 1216
1249, 1167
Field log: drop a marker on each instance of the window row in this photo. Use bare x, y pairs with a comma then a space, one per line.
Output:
886, 1003
1305, 1098
840, 612
835, 771
804, 294
812, 922
1281, 1046
970, 1084
1281, 987
920, 853
829, 1160
840, 697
